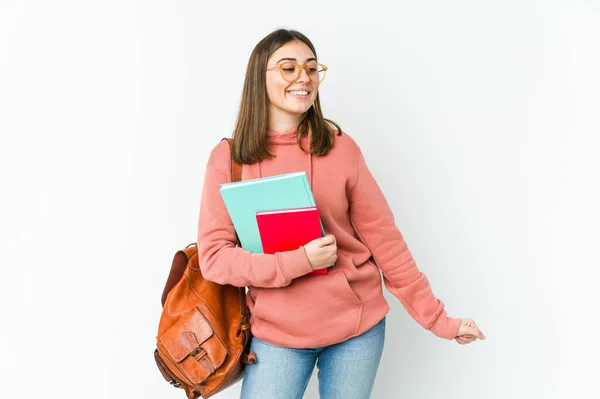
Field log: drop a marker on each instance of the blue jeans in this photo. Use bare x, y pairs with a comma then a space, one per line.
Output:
346, 370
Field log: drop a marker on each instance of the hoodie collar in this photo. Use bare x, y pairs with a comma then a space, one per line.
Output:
289, 138
283, 138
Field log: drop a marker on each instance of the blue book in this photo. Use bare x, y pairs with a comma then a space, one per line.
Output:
243, 199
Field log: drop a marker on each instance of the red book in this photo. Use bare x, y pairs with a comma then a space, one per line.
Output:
289, 229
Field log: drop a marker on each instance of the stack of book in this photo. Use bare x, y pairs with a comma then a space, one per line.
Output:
273, 214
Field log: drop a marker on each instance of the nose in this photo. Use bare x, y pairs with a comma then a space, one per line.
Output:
303, 78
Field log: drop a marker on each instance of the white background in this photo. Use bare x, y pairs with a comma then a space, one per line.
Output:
479, 119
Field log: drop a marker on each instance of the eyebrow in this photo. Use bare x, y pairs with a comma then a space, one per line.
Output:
294, 59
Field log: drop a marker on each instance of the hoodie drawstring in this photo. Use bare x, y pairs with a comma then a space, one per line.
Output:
310, 173
310, 169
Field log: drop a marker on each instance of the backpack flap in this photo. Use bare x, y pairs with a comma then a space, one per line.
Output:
192, 344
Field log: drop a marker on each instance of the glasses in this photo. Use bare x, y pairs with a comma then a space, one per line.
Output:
291, 71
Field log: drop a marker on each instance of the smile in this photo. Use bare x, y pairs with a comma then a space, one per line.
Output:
299, 93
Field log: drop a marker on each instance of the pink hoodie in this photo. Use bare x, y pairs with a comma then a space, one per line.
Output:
289, 308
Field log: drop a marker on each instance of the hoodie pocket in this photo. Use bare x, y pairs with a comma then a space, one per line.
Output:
314, 306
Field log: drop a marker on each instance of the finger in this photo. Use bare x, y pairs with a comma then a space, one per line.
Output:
467, 336
478, 333
466, 339
471, 338
327, 240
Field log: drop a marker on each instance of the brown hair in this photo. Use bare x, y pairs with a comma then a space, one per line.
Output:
250, 143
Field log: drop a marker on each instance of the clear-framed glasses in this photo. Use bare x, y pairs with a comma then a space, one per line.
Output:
291, 70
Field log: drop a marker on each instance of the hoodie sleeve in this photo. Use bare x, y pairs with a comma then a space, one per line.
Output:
220, 259
374, 223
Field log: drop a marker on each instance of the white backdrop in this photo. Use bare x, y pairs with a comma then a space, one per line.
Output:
479, 119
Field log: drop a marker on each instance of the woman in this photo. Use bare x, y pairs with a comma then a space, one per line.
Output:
336, 320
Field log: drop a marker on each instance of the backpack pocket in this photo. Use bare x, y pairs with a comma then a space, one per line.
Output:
194, 347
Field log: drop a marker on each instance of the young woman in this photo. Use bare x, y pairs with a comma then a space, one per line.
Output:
336, 320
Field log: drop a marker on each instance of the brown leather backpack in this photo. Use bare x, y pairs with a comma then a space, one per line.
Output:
204, 332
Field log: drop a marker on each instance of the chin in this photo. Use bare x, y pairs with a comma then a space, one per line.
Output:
298, 110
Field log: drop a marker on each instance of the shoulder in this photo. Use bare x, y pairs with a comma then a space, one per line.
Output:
220, 157
344, 143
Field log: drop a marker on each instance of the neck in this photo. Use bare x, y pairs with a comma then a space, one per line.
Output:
280, 121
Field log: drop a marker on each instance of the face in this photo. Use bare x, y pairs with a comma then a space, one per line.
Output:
290, 98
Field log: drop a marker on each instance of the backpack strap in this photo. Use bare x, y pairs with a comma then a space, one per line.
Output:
235, 173
236, 176
236, 167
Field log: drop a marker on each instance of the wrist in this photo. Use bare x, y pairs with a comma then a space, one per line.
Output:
308, 259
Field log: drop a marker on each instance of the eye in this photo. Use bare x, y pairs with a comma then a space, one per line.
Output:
291, 69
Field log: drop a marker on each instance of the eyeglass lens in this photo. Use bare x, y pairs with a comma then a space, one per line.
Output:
291, 72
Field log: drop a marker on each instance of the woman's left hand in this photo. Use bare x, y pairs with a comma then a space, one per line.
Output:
468, 332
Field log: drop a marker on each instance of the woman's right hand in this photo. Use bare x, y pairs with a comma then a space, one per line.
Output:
322, 252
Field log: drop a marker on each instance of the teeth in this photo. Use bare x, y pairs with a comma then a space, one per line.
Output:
299, 93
